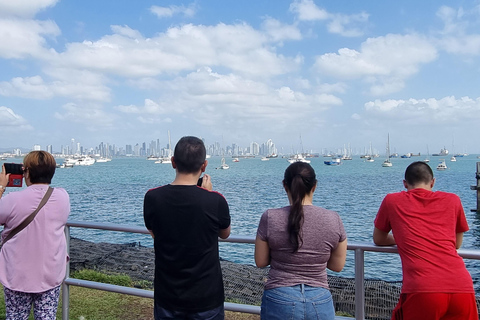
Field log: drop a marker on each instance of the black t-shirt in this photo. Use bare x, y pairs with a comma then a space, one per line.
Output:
185, 221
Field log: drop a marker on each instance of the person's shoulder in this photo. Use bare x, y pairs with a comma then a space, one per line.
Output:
395, 195
60, 190
212, 193
446, 195
277, 212
158, 189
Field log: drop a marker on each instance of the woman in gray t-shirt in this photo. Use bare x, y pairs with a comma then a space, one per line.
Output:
299, 242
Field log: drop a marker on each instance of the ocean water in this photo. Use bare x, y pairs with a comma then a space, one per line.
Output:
113, 192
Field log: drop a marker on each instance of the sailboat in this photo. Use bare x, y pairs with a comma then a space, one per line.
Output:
224, 166
387, 162
347, 154
168, 157
298, 157
428, 154
369, 157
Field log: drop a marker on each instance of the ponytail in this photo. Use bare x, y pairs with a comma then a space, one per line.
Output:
299, 180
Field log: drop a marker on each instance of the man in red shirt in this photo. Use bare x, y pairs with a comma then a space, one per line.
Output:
427, 228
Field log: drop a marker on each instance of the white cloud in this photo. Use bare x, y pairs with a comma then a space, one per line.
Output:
12, 122
233, 103
30, 87
24, 8
278, 31
236, 47
307, 10
167, 12
150, 107
91, 116
385, 62
455, 37
342, 24
446, 111
8, 117
348, 25
82, 88
23, 38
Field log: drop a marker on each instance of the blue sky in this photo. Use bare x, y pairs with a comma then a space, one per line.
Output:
333, 73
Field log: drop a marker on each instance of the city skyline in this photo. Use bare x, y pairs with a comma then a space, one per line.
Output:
334, 73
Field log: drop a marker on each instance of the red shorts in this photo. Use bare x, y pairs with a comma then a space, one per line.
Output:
436, 306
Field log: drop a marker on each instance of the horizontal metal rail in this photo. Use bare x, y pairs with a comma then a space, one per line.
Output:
358, 248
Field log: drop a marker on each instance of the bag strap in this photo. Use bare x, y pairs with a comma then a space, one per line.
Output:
30, 218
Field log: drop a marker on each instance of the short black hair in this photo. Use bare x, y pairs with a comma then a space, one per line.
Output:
189, 154
418, 172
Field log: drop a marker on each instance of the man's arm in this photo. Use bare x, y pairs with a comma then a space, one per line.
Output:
382, 238
459, 241
224, 233
151, 233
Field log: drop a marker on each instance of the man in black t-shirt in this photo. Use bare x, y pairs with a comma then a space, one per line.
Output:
185, 221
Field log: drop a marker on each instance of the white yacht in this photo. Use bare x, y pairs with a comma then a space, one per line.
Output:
442, 165
298, 158
85, 161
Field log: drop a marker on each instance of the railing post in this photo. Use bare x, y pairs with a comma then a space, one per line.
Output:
477, 187
359, 284
65, 286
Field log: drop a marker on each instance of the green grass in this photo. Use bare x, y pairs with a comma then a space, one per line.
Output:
91, 304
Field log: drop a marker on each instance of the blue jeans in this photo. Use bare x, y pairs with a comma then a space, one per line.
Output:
214, 314
299, 302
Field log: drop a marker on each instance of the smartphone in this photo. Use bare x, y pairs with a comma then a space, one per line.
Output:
16, 174
199, 182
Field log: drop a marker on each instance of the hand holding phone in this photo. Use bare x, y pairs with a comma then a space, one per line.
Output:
15, 172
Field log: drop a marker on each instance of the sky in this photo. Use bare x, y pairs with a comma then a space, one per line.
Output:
316, 75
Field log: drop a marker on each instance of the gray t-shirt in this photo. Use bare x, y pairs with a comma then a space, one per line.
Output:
321, 232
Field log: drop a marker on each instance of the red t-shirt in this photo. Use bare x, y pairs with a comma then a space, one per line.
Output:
424, 224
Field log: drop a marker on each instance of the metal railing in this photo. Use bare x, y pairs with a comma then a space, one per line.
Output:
359, 256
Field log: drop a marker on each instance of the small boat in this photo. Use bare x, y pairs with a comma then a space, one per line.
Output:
453, 159
387, 162
104, 159
298, 158
333, 162
442, 165
264, 159
224, 166
235, 160
427, 160
369, 159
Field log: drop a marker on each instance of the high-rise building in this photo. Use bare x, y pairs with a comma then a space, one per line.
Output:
254, 148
